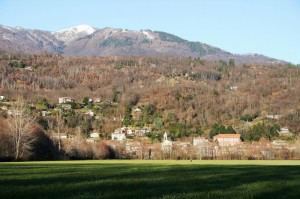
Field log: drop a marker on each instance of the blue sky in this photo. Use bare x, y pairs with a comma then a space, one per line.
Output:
269, 27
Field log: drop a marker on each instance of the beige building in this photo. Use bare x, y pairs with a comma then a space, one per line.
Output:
227, 139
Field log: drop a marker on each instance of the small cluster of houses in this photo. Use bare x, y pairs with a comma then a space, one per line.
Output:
64, 100
64, 103
233, 88
123, 132
221, 146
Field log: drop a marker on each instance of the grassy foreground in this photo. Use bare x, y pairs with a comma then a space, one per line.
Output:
150, 179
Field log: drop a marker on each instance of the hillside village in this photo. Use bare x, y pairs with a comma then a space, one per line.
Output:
135, 142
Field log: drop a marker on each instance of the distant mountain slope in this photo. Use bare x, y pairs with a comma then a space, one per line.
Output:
29, 41
84, 40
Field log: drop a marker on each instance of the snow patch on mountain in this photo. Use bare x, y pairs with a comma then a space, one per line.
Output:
78, 29
73, 33
148, 35
8, 28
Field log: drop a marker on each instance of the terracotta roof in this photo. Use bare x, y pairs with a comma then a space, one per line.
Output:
228, 136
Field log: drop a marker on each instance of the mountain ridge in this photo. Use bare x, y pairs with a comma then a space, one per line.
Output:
85, 40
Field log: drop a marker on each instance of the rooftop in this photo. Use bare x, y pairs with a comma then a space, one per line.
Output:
228, 136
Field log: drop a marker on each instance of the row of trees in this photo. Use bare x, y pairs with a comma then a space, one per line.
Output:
210, 152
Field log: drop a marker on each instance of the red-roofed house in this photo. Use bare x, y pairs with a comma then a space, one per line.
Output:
227, 139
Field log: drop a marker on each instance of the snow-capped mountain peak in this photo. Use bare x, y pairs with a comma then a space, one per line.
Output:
79, 29
73, 33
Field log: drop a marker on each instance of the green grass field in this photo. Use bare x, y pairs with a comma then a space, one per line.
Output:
150, 179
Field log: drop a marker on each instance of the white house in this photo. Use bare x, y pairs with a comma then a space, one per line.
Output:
66, 106
46, 113
90, 140
278, 143
233, 88
127, 130
97, 100
28, 68
140, 132
274, 117
14, 112
90, 113
4, 107
284, 132
137, 110
136, 113
61, 135
198, 141
118, 136
63, 100
94, 135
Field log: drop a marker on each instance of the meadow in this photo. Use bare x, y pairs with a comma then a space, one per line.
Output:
150, 179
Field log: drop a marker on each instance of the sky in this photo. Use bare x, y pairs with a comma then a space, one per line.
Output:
268, 27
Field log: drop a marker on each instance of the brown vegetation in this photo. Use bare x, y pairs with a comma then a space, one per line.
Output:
197, 91
183, 95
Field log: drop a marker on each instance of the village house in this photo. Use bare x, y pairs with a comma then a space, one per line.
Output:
63, 100
233, 88
136, 113
140, 131
46, 113
284, 132
2, 97
273, 117
97, 100
278, 143
61, 136
126, 130
227, 139
118, 136
29, 68
14, 112
137, 110
90, 140
90, 113
94, 135
66, 106
132, 131
4, 107
198, 141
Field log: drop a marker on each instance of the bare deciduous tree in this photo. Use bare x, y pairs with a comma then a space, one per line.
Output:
20, 127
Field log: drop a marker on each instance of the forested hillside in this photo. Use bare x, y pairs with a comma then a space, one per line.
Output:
181, 91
